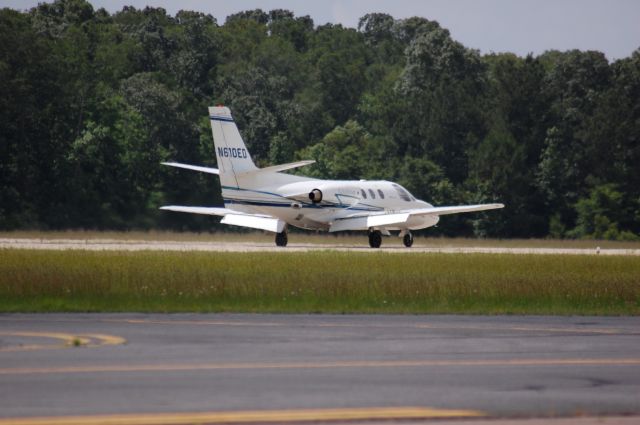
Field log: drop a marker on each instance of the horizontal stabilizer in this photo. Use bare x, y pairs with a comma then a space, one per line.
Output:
283, 167
193, 167
363, 223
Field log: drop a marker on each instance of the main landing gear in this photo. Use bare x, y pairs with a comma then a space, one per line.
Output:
281, 238
375, 238
407, 239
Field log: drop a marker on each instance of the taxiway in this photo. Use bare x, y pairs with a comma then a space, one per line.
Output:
60, 365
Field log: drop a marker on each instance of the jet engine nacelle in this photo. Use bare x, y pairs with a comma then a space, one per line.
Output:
315, 195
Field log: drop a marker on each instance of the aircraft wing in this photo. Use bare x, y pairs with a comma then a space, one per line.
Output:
193, 167
236, 218
198, 210
362, 221
455, 210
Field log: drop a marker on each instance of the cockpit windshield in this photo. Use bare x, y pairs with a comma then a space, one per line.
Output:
403, 193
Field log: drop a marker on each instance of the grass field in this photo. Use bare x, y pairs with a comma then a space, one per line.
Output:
323, 281
355, 239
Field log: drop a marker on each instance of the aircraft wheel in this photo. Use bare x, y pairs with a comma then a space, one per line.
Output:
375, 239
408, 240
282, 239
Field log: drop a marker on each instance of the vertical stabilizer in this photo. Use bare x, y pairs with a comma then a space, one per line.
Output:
231, 152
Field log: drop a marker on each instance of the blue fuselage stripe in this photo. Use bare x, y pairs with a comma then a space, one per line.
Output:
288, 205
218, 118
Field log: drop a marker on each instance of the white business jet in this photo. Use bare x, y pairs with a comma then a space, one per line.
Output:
268, 199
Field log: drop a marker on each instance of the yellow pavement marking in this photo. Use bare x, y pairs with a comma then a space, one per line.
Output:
250, 416
523, 328
317, 365
197, 322
107, 339
68, 340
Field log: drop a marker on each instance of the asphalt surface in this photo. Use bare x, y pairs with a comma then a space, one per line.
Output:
497, 366
388, 246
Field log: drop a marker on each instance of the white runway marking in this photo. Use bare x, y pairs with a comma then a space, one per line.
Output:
133, 245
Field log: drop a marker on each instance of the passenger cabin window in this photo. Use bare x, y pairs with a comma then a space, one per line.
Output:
404, 195
381, 193
364, 194
372, 193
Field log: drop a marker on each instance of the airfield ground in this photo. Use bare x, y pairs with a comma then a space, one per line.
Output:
319, 280
575, 367
222, 368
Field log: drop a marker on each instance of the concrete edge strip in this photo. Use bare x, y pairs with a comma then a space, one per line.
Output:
113, 245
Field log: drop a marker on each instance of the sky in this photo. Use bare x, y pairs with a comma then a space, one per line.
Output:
518, 26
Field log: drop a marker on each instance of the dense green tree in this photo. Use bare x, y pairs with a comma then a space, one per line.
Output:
381, 38
339, 60
600, 215
504, 164
295, 31
92, 102
443, 84
196, 54
347, 152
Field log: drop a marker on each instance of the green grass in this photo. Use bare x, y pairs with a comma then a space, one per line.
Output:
323, 281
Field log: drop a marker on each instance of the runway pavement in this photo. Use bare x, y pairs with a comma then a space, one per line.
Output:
137, 245
188, 368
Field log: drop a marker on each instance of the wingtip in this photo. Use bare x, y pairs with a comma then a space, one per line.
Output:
495, 206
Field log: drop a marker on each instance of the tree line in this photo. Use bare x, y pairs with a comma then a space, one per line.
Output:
92, 102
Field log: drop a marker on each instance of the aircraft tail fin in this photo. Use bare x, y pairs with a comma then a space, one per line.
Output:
234, 160
231, 153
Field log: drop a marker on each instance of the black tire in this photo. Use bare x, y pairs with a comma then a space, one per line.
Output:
375, 239
282, 239
407, 240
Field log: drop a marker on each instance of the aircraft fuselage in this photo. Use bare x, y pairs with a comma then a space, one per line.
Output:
339, 199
